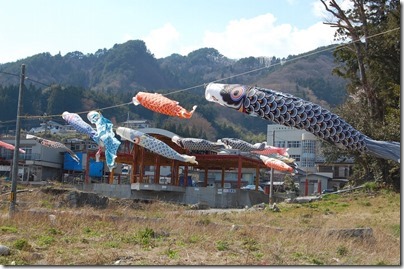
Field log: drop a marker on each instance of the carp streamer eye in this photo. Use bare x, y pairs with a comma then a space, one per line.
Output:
237, 93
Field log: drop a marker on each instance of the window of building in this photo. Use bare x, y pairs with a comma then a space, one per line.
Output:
280, 144
27, 155
308, 155
293, 144
309, 146
296, 157
307, 163
75, 147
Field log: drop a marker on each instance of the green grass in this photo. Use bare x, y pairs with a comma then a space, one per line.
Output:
396, 230
172, 253
8, 229
21, 244
45, 240
222, 245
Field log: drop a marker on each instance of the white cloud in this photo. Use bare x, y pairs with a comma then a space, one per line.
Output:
320, 12
127, 37
162, 41
311, 38
261, 36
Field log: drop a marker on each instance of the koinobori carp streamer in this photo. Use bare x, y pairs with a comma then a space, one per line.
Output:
288, 110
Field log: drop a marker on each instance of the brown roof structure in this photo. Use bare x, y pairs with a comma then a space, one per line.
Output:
139, 157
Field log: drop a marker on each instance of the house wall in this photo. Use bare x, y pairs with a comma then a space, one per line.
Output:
314, 180
39, 163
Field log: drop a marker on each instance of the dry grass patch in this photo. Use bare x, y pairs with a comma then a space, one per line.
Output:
135, 233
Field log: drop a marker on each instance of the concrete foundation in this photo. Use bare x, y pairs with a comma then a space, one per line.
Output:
211, 196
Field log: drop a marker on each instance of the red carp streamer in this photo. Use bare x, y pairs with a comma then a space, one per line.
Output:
268, 150
9, 146
161, 104
276, 164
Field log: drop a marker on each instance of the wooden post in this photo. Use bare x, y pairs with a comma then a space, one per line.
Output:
134, 164
306, 187
87, 172
177, 173
206, 178
186, 176
222, 177
13, 193
257, 178
157, 170
111, 177
172, 181
141, 167
240, 163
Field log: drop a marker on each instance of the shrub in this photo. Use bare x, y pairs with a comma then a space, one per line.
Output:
342, 250
21, 244
222, 245
370, 186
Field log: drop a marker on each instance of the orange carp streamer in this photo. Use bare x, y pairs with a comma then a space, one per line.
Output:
276, 164
161, 104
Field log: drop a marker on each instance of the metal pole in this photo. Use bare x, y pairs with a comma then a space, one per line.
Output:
271, 187
13, 197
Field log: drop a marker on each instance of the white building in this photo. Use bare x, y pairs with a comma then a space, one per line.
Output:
303, 146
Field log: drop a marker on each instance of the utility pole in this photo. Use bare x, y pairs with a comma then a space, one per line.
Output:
13, 197
271, 187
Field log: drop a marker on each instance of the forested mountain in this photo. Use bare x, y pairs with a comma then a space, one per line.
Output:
77, 82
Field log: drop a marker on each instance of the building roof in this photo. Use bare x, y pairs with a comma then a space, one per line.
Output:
212, 161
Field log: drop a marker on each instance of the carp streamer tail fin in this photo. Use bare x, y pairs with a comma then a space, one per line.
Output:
188, 114
384, 149
189, 159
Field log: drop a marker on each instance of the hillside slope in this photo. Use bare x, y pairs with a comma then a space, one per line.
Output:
112, 76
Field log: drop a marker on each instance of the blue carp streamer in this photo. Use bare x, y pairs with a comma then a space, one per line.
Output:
153, 144
286, 109
235, 143
79, 124
106, 136
197, 144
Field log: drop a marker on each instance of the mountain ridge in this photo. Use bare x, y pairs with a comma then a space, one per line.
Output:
113, 75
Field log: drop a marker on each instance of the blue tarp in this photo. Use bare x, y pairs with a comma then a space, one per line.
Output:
96, 168
70, 164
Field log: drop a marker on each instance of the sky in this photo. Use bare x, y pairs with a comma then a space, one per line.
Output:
236, 28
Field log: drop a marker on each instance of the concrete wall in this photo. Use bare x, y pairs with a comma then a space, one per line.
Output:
110, 190
211, 196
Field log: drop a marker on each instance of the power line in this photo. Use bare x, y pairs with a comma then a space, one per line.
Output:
83, 112
26, 78
283, 62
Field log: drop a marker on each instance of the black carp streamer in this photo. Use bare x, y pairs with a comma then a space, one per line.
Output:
286, 109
